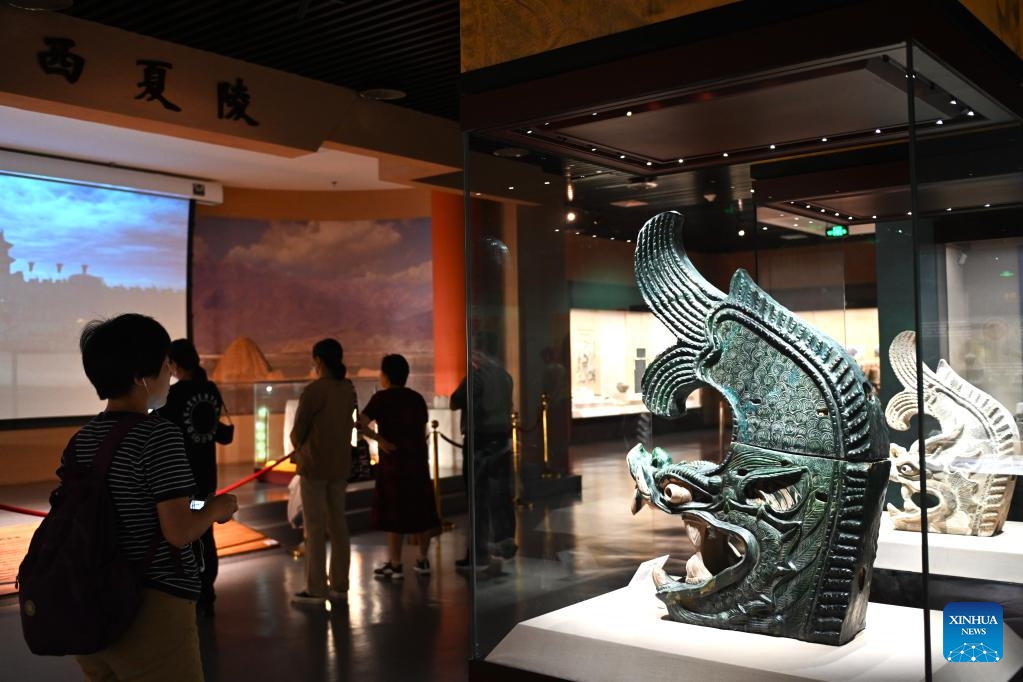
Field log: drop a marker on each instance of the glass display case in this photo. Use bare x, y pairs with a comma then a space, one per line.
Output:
873, 195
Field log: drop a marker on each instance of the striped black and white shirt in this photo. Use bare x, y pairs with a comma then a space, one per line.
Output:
149, 467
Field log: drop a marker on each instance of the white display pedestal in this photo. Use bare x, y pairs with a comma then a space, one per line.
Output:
999, 557
624, 635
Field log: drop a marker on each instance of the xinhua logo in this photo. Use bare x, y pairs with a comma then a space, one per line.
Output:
972, 632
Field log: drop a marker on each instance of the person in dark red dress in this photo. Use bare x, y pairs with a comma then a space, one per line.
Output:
403, 501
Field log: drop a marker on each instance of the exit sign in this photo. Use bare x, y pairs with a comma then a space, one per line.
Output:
836, 231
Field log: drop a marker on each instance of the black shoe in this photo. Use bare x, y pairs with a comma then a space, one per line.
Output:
467, 564
389, 570
506, 549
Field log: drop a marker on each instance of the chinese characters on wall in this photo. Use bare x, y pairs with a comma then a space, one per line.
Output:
233, 98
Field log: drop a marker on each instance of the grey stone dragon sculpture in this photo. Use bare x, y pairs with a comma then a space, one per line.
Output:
785, 526
968, 463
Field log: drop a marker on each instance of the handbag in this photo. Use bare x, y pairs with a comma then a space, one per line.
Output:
225, 432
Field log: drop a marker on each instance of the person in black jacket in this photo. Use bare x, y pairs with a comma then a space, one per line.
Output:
194, 405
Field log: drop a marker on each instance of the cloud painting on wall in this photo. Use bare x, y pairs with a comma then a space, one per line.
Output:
287, 284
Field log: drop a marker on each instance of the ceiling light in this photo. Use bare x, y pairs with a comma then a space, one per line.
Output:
742, 233
382, 94
836, 215
725, 155
594, 236
987, 205
546, 182
570, 216
612, 238
681, 160
822, 210
824, 139
808, 205
909, 213
649, 163
594, 113
953, 102
772, 146
877, 131
479, 194
948, 209
547, 123
510, 152
873, 217
939, 122
970, 112
848, 217
628, 113
764, 228
529, 132
621, 156
557, 230
593, 149
511, 186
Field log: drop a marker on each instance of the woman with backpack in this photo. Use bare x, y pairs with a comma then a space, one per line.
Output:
150, 485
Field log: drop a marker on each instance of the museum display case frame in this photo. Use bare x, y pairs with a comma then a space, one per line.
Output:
536, 128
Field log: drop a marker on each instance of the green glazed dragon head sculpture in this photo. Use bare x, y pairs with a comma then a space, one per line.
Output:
785, 527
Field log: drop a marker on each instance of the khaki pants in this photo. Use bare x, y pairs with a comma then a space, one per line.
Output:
161, 644
323, 512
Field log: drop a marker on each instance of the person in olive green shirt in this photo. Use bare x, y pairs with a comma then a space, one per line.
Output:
322, 436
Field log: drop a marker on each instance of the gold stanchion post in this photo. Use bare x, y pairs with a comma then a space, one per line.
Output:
517, 461
547, 471
445, 525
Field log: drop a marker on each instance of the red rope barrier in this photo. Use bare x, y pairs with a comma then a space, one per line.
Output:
227, 489
21, 510
255, 475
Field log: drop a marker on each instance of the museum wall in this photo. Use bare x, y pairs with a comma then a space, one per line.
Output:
31, 454
536, 26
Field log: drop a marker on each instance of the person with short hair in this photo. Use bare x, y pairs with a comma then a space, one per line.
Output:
151, 484
194, 405
403, 500
322, 436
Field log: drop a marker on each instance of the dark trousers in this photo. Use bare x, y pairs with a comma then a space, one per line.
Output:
210, 565
494, 509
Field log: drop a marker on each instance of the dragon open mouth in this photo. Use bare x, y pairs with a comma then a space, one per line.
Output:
722, 557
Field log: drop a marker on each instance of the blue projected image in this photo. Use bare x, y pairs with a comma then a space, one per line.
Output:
69, 254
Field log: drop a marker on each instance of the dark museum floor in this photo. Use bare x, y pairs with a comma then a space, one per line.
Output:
572, 548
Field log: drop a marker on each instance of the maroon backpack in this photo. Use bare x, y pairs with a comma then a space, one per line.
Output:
77, 591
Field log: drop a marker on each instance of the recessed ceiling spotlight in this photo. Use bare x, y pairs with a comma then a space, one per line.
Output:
593, 149
725, 155
939, 122
681, 160
808, 205
546, 182
594, 113
987, 205
511, 186
970, 112
612, 238
822, 210
382, 94
621, 156
824, 139
479, 194
772, 146
742, 233
953, 102
764, 228
909, 213
529, 132
873, 217
877, 131
594, 236
948, 209
848, 217
649, 163
836, 215
628, 241
628, 113
599, 171
557, 230
752, 190
547, 123
570, 216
